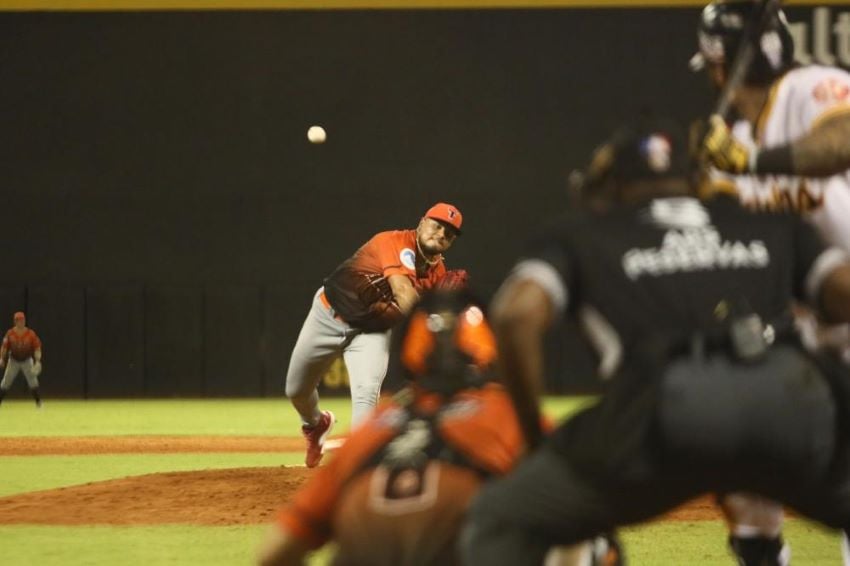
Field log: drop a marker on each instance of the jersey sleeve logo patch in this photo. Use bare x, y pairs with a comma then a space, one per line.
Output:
831, 91
408, 258
694, 249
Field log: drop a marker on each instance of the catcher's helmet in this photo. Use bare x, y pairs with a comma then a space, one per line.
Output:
721, 29
446, 344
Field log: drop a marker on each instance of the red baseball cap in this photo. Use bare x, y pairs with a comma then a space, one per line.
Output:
447, 213
20, 315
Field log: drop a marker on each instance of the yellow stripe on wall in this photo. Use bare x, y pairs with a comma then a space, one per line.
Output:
121, 5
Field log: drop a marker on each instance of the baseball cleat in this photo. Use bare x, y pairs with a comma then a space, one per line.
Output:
315, 437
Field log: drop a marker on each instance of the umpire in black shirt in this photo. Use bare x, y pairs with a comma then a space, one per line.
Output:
687, 303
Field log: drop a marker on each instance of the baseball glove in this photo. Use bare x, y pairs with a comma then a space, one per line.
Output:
453, 279
381, 316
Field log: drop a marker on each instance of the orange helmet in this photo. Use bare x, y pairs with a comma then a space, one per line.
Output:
446, 343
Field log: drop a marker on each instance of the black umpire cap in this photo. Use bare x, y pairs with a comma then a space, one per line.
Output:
649, 149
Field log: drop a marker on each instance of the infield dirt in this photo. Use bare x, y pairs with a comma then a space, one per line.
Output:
235, 496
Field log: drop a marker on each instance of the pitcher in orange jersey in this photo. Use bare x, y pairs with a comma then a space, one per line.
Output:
24, 351
353, 312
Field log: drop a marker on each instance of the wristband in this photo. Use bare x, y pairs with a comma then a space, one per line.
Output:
774, 161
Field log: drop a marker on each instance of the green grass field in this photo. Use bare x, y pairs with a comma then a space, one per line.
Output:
659, 544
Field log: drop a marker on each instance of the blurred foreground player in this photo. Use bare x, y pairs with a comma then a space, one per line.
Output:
687, 304
397, 492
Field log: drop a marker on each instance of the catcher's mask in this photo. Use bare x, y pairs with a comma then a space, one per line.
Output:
446, 344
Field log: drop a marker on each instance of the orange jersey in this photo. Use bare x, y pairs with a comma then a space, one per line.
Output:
400, 485
21, 346
359, 290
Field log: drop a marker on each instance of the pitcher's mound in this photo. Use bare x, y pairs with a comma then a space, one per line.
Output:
238, 496
235, 496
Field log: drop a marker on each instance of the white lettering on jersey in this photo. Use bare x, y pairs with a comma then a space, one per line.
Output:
694, 249
683, 212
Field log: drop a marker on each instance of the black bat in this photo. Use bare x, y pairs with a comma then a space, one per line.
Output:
762, 15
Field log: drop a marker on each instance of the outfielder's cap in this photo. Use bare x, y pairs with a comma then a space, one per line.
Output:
20, 316
446, 213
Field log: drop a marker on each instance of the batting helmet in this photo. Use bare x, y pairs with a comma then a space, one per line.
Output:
721, 29
446, 344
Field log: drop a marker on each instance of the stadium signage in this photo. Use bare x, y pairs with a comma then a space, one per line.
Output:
824, 39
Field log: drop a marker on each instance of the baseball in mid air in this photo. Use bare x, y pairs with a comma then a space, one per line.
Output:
316, 134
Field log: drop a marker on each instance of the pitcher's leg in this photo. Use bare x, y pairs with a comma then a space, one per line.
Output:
366, 359
319, 343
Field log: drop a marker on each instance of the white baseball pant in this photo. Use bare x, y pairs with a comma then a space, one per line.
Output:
13, 367
323, 339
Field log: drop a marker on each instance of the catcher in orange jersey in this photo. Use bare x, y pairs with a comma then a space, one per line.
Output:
353, 312
24, 350
397, 490
396, 493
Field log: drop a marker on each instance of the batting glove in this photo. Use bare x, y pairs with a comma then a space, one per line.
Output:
724, 151
36, 368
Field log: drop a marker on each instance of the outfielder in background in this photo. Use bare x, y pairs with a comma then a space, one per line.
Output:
786, 149
24, 355
353, 312
397, 491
